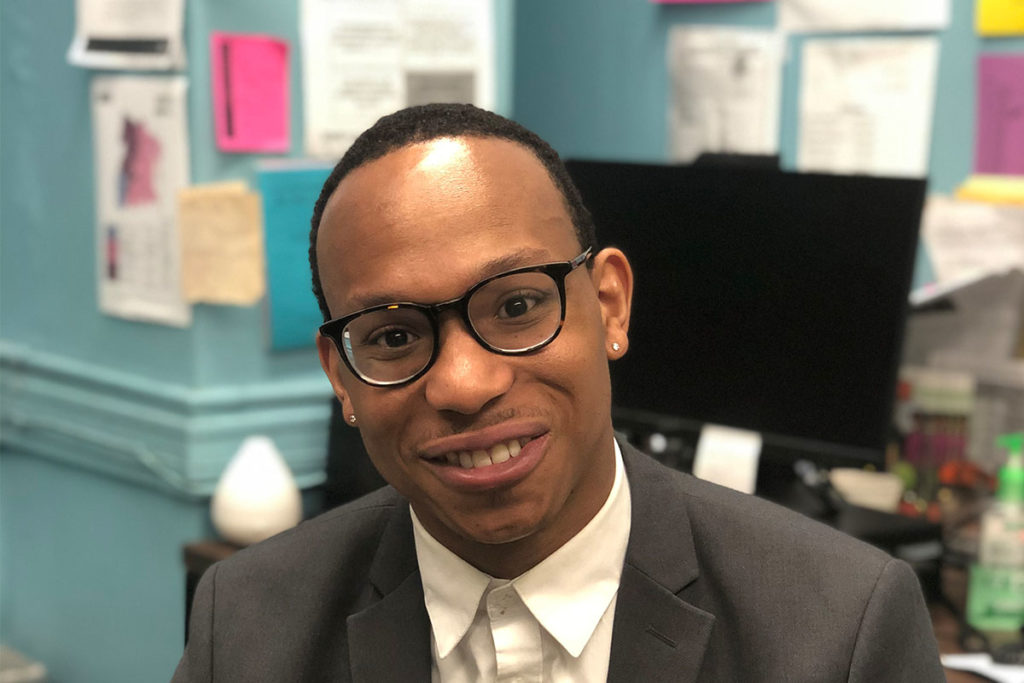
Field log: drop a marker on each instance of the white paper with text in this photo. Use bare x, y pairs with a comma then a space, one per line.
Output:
818, 16
362, 60
140, 146
128, 34
968, 239
866, 105
726, 90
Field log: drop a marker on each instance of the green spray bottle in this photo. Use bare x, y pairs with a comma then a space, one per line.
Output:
995, 598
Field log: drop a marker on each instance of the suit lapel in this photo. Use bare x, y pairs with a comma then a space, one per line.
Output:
656, 634
390, 639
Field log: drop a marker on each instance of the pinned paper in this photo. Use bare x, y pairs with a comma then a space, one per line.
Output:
144, 35
726, 89
362, 60
249, 76
966, 239
728, 456
1000, 120
221, 244
289, 192
820, 16
866, 105
999, 17
141, 154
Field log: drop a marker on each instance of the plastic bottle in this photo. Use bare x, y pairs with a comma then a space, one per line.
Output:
995, 598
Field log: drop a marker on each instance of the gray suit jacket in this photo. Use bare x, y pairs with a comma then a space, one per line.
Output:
717, 586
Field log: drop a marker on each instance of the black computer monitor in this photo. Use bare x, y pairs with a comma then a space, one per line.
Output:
764, 300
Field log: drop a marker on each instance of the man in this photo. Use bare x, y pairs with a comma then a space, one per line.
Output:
471, 320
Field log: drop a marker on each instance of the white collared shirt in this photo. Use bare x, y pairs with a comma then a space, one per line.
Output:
551, 623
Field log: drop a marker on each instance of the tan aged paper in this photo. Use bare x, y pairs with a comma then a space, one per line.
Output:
221, 227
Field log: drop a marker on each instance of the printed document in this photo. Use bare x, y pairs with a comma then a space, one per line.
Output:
142, 35
221, 227
141, 149
362, 60
972, 239
866, 105
726, 88
823, 16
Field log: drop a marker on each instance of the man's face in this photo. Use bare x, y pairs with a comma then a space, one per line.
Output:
423, 224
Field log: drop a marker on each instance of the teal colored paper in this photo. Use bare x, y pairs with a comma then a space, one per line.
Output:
288, 197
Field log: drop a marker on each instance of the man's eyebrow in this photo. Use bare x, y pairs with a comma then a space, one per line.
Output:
516, 259
519, 258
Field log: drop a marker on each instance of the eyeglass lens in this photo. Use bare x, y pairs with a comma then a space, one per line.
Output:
510, 313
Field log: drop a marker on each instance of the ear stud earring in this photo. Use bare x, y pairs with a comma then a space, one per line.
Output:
615, 346
352, 419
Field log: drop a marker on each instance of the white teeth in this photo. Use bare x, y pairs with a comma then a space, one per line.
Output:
500, 454
481, 459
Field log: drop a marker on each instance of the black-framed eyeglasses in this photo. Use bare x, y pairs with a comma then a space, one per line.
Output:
511, 313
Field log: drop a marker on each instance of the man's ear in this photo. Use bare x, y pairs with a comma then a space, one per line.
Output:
330, 361
613, 278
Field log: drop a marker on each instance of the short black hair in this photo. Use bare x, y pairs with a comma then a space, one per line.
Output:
431, 121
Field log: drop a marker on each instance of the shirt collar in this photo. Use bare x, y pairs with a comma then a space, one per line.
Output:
452, 588
567, 592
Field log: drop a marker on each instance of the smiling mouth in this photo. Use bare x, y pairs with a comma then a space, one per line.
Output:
495, 455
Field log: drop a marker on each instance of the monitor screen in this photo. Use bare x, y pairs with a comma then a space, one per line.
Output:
764, 300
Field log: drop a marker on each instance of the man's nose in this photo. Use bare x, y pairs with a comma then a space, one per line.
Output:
466, 376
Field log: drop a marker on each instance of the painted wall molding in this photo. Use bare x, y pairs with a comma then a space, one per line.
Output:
171, 437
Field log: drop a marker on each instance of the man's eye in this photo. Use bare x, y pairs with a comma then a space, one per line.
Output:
516, 306
393, 339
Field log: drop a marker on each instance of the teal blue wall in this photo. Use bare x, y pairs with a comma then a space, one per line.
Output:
594, 83
47, 271
47, 280
92, 577
113, 432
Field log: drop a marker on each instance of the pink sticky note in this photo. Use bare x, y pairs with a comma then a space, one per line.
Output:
249, 75
999, 142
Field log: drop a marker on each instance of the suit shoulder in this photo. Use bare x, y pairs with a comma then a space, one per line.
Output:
350, 532
770, 526
727, 522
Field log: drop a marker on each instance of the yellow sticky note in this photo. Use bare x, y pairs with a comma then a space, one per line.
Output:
999, 17
993, 189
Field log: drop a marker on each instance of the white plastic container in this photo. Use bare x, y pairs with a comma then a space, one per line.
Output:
256, 496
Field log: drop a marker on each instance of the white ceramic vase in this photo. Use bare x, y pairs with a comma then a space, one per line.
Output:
256, 496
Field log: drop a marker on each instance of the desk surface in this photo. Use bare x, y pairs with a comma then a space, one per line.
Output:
946, 632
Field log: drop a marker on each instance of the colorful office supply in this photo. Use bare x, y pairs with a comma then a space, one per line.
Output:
249, 77
289, 192
999, 17
1000, 119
